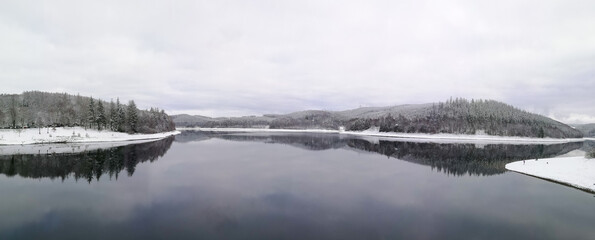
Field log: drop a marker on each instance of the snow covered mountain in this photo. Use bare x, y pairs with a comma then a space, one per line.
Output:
459, 116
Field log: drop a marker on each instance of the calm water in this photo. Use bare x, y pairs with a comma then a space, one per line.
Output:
289, 186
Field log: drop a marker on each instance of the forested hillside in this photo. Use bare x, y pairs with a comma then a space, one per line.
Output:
587, 129
471, 117
42, 109
458, 116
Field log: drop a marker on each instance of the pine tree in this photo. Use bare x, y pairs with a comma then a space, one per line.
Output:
120, 116
541, 133
101, 119
91, 116
13, 112
113, 112
132, 114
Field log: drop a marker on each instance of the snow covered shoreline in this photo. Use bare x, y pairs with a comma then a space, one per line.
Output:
71, 135
574, 171
408, 136
56, 148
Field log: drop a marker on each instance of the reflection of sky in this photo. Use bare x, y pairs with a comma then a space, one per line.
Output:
218, 188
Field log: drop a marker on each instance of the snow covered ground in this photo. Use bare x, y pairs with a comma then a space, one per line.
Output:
575, 171
408, 136
463, 137
55, 148
70, 135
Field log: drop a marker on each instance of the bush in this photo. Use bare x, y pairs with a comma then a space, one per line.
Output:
590, 154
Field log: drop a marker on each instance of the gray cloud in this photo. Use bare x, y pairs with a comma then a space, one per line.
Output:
254, 57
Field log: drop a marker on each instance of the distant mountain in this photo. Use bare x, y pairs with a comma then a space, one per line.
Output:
458, 116
43, 109
185, 120
588, 130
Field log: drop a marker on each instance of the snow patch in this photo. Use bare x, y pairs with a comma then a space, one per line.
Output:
468, 138
575, 171
372, 130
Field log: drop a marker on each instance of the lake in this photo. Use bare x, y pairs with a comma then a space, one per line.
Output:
206, 185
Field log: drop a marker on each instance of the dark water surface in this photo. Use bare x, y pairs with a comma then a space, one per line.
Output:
289, 186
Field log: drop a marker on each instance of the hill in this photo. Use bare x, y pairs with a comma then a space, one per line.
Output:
459, 116
42, 109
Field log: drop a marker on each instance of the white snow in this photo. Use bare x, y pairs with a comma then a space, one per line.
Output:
575, 171
408, 136
70, 135
465, 137
54, 148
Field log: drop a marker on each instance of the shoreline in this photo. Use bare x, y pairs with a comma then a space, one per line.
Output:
404, 136
71, 135
576, 172
60, 148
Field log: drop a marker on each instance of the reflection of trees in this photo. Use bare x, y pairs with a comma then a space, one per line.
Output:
455, 159
588, 146
86, 165
461, 159
309, 141
305, 141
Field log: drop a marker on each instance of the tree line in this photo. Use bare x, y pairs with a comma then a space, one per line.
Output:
462, 116
42, 109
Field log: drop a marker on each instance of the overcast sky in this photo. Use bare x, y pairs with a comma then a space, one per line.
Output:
230, 58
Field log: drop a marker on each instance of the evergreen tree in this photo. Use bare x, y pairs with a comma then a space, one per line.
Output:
91, 116
541, 133
101, 119
132, 114
113, 112
13, 112
120, 116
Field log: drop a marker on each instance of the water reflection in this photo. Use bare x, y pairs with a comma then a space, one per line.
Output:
450, 158
87, 165
265, 186
462, 159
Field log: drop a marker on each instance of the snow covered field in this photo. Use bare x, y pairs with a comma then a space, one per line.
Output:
575, 171
70, 135
409, 136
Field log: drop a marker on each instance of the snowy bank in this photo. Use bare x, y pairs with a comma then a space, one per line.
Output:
442, 137
71, 135
56, 148
467, 138
578, 172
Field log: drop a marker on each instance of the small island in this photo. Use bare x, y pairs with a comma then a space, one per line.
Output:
41, 117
